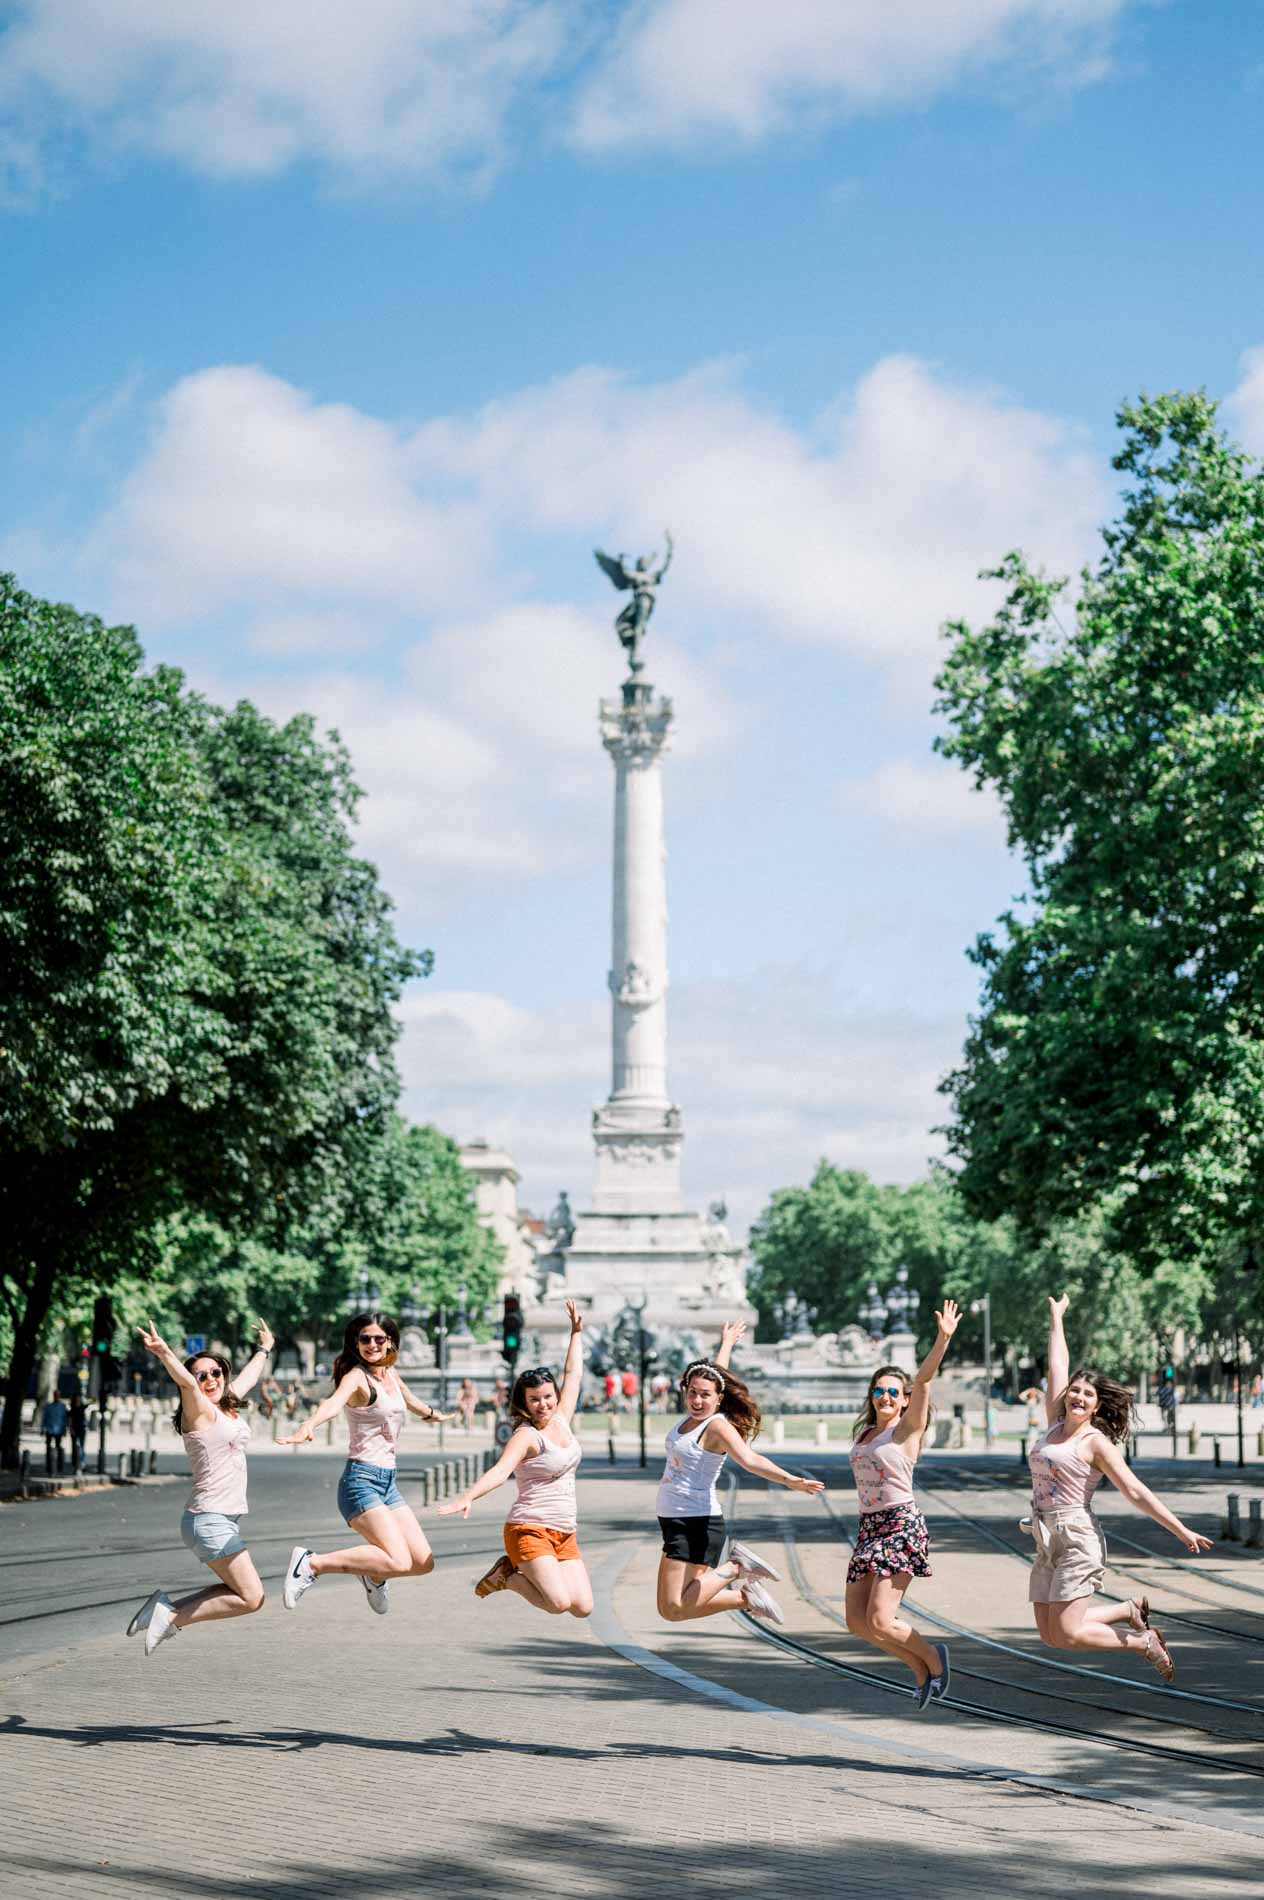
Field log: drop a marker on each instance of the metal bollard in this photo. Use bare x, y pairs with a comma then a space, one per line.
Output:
122, 1464
489, 1458
822, 1431
1255, 1533
1194, 1436
1022, 1449
153, 1463
779, 1431
1215, 1449
426, 1488
1233, 1522
276, 1425
329, 1432
1259, 1444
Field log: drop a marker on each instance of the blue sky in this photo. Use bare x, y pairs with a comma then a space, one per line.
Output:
338, 337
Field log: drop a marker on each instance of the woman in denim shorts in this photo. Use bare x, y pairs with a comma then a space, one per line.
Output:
215, 1439
376, 1401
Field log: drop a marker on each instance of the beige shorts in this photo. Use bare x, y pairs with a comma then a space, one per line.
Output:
1070, 1556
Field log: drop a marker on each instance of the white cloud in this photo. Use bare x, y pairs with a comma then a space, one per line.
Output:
860, 1088
743, 70
242, 89
1245, 406
923, 799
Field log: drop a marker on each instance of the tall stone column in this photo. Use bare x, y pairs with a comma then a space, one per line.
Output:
638, 1131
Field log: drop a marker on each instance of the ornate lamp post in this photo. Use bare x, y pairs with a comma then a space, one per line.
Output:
984, 1306
873, 1314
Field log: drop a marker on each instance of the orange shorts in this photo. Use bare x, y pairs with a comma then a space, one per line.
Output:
525, 1541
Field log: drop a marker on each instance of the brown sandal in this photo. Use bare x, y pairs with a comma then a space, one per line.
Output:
496, 1579
1139, 1612
1157, 1653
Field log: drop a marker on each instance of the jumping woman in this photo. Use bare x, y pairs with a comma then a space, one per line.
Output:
1089, 1416
375, 1399
542, 1562
720, 1419
892, 1542
215, 1439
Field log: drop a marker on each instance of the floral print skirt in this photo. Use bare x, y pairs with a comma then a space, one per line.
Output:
889, 1542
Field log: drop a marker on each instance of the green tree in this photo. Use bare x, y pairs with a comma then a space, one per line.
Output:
196, 973
823, 1243
1117, 1060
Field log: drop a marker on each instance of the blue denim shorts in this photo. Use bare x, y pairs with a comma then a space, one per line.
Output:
361, 1487
211, 1535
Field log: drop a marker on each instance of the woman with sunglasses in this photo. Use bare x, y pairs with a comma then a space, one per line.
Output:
376, 1401
720, 1419
892, 1542
542, 1562
1089, 1417
215, 1439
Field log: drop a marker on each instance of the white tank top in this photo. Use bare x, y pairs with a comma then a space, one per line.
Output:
374, 1429
689, 1476
546, 1487
217, 1458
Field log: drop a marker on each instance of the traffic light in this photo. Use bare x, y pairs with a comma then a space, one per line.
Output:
104, 1366
511, 1328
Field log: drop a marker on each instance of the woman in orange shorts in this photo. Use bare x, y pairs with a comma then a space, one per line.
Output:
542, 1564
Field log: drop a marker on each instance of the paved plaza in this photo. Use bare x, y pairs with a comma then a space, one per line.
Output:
458, 1747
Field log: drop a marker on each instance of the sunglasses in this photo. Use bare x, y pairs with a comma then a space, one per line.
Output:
374, 1339
887, 1392
539, 1375
205, 1378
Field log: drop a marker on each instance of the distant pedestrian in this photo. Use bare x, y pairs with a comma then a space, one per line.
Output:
542, 1562
892, 1543
78, 1431
467, 1403
631, 1386
1257, 1392
215, 1438
1089, 1416
376, 1401
53, 1422
694, 1577
610, 1385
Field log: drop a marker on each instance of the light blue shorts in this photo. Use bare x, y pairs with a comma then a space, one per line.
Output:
362, 1487
211, 1535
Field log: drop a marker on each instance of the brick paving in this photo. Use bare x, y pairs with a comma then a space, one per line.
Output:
456, 1748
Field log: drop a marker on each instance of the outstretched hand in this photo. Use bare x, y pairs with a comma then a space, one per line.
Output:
948, 1318
812, 1486
1058, 1307
302, 1435
1194, 1542
264, 1335
731, 1331
453, 1505
575, 1317
151, 1339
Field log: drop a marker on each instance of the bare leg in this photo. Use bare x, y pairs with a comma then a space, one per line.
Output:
687, 1591
558, 1588
394, 1546
890, 1630
859, 1623
1071, 1626
240, 1593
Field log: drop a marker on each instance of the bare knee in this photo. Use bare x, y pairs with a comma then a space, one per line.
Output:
672, 1612
422, 1566
581, 1609
394, 1566
883, 1628
858, 1624
252, 1599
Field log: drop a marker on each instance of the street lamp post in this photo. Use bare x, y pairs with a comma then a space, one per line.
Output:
1249, 1265
984, 1306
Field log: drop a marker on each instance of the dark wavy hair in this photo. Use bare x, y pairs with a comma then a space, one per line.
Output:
349, 1358
1115, 1404
533, 1376
869, 1417
736, 1403
229, 1402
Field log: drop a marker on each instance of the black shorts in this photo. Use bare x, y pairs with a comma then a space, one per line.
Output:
693, 1540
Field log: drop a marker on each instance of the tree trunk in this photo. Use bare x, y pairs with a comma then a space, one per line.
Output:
26, 1338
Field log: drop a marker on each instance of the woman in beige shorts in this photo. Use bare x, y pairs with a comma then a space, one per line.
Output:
1089, 1417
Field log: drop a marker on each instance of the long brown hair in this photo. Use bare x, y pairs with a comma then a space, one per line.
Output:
736, 1403
229, 1402
349, 1359
869, 1417
1115, 1404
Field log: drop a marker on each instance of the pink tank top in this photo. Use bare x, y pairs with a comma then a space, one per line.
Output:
883, 1472
217, 1458
374, 1429
546, 1487
1062, 1478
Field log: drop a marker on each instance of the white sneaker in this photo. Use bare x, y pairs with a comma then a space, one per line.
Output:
378, 1594
745, 1558
141, 1619
162, 1624
299, 1576
759, 1603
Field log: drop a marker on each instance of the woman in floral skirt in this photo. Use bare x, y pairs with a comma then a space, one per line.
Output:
893, 1545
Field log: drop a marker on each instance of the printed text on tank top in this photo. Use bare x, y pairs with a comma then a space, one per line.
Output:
883, 1471
374, 1429
1063, 1477
546, 1485
217, 1459
687, 1488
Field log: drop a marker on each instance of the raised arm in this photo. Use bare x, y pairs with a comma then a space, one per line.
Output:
353, 1384
722, 1436
913, 1422
1110, 1459
422, 1409
253, 1370
192, 1403
731, 1331
1059, 1366
573, 1369
520, 1446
